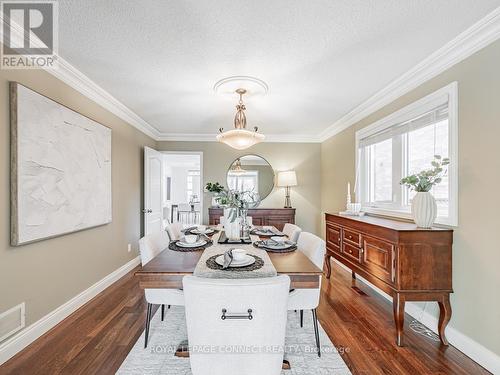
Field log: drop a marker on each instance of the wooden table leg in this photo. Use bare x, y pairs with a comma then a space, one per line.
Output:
444, 316
328, 259
398, 304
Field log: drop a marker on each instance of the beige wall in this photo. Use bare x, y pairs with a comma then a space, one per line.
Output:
303, 157
476, 250
48, 273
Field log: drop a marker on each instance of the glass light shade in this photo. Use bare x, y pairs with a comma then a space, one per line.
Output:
287, 178
240, 139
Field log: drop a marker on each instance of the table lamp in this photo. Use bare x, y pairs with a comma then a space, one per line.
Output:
287, 179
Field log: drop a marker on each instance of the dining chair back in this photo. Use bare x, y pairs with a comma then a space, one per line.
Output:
174, 231
292, 231
241, 321
308, 299
185, 213
149, 247
313, 247
152, 244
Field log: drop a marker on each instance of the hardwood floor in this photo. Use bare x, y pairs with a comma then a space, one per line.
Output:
97, 337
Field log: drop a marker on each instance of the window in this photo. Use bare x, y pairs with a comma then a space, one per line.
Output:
248, 181
193, 186
405, 143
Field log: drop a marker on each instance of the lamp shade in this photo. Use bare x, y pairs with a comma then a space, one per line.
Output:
287, 178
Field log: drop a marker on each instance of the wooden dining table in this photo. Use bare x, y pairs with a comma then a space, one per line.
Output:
168, 268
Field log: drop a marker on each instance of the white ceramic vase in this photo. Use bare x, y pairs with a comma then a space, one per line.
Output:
232, 229
424, 209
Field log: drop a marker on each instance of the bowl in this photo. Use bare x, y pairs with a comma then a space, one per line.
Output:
190, 238
239, 254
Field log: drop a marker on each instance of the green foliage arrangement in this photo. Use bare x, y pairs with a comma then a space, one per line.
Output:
214, 187
425, 180
239, 200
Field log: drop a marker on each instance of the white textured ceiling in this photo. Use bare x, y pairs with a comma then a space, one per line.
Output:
320, 58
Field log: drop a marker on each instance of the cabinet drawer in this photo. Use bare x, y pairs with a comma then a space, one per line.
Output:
351, 252
378, 258
333, 238
352, 237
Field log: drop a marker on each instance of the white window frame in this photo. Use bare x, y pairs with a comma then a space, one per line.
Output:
448, 93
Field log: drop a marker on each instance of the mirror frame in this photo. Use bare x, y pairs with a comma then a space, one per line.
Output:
263, 158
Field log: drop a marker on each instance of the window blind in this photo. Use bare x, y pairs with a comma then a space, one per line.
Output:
436, 115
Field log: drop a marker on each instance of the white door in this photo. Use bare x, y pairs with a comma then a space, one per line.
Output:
153, 191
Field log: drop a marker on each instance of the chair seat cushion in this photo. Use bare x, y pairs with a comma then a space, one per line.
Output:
165, 296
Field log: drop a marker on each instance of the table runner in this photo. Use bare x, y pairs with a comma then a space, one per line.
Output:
201, 269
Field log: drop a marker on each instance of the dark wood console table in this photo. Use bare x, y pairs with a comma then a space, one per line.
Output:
407, 262
277, 217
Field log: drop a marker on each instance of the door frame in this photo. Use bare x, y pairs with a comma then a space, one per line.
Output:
202, 184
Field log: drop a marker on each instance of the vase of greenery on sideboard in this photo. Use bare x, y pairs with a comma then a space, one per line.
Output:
423, 205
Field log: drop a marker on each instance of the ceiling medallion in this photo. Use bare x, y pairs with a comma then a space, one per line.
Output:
240, 138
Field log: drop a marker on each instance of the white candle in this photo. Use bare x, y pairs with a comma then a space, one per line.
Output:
348, 188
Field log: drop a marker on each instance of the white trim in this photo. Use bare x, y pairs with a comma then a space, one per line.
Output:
459, 340
476, 37
18, 342
279, 138
448, 94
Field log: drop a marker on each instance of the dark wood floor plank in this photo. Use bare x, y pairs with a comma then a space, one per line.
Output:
97, 337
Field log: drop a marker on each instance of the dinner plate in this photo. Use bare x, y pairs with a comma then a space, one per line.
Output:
278, 246
242, 263
207, 231
195, 244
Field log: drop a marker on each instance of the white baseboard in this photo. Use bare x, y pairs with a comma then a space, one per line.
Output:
471, 348
25, 337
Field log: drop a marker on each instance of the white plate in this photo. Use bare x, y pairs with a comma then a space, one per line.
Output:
196, 244
207, 231
246, 262
277, 246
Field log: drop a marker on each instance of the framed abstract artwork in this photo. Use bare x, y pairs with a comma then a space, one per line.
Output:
60, 168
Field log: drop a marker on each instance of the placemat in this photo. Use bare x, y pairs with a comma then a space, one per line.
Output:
212, 264
258, 245
202, 270
173, 246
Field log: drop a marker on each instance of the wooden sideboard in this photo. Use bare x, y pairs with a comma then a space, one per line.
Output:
406, 262
277, 217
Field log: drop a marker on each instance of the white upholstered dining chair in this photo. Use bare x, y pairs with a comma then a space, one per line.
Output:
292, 231
303, 299
174, 231
149, 247
260, 308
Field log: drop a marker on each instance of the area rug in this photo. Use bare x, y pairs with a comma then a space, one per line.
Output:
164, 336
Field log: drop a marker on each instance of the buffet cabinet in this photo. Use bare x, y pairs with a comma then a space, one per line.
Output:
406, 262
276, 217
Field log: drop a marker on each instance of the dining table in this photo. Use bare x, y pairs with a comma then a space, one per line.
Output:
168, 268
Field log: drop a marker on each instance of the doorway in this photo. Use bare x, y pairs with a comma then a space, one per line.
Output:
183, 187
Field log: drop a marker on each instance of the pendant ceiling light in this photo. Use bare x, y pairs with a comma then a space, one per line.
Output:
240, 138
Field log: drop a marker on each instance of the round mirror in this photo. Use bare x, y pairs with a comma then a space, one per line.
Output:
251, 173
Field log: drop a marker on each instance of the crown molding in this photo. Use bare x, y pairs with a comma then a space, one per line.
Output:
83, 84
475, 38
273, 138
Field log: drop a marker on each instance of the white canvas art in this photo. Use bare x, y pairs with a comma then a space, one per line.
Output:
61, 168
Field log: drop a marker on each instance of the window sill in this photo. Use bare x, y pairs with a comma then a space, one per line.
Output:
406, 215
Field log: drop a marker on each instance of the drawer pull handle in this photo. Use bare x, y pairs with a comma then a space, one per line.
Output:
350, 237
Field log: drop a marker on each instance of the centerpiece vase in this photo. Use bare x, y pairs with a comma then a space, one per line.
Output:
232, 228
424, 209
